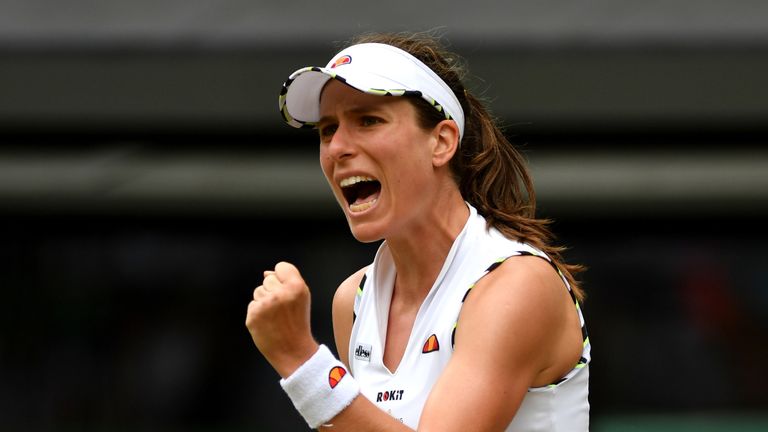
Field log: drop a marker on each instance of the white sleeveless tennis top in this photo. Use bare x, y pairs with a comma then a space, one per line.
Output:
560, 406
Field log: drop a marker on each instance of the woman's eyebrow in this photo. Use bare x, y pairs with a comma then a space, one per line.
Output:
325, 119
360, 109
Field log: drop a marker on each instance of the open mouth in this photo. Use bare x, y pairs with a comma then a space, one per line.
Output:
361, 192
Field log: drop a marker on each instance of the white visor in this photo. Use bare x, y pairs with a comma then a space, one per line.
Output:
372, 68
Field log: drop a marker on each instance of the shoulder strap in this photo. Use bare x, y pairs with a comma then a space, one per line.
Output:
358, 297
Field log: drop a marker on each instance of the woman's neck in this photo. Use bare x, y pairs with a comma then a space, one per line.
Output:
419, 256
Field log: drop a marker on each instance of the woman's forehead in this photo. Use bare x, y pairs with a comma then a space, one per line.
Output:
337, 95
335, 91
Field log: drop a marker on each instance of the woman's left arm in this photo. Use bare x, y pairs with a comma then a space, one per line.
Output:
514, 332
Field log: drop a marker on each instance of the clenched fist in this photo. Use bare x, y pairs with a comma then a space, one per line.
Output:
278, 319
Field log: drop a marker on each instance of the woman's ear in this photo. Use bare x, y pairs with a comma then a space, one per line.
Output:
446, 142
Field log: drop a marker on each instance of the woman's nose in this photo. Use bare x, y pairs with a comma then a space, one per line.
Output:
340, 145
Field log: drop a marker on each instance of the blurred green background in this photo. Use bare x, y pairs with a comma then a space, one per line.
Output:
146, 180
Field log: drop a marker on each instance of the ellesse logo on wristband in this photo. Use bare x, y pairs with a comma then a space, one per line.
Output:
336, 374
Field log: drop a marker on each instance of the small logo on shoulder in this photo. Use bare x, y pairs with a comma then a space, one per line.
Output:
363, 352
431, 345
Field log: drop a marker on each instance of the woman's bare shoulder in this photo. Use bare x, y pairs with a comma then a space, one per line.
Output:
343, 304
346, 292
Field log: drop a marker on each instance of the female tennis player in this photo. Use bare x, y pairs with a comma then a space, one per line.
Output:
467, 319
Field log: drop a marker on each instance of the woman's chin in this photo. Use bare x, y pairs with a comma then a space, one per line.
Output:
362, 221
365, 232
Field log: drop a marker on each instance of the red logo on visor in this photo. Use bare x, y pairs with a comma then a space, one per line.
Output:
346, 59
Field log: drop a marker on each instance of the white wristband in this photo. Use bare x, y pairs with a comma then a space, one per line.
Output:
320, 388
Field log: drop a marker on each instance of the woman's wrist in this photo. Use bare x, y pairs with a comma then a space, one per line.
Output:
320, 388
287, 361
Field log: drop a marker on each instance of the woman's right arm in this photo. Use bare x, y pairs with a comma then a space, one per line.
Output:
343, 304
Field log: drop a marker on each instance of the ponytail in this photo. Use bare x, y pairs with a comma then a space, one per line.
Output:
493, 176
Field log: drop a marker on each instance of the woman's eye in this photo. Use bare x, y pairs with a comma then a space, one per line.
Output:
326, 131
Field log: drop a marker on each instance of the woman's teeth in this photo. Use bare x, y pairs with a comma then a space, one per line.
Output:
349, 181
362, 206
361, 192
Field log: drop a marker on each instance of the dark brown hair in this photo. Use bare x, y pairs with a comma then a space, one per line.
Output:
491, 173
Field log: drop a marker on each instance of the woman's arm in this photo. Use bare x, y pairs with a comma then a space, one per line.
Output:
343, 304
517, 329
507, 340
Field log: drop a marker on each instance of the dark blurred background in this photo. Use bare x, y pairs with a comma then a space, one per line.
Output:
146, 180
